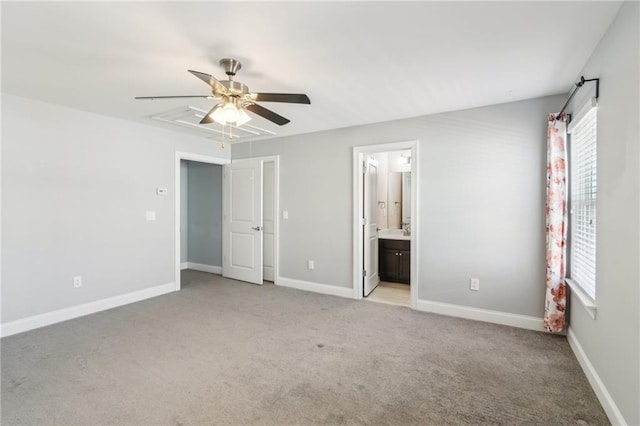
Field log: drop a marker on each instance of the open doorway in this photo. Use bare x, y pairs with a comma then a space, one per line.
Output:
385, 223
198, 237
201, 216
265, 210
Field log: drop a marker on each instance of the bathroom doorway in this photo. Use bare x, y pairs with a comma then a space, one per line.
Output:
385, 223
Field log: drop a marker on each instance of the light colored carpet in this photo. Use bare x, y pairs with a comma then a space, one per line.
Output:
225, 352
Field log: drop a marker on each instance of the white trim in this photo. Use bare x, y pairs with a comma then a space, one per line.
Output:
607, 402
184, 265
316, 287
48, 318
276, 223
190, 157
478, 314
585, 300
358, 233
358, 156
201, 158
588, 105
204, 267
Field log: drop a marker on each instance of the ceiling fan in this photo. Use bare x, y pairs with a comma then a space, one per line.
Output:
236, 99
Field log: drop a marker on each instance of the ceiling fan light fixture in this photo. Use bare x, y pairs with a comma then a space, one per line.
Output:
243, 117
229, 113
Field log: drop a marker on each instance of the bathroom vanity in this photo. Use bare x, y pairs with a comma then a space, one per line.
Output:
394, 258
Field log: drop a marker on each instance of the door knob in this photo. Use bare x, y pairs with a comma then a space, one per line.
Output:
257, 228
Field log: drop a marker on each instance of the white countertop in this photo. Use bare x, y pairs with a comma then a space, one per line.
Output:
393, 234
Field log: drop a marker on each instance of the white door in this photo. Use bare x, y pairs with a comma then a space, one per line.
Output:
370, 227
268, 220
242, 221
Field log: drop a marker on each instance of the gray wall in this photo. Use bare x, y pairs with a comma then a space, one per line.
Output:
75, 188
611, 341
184, 211
205, 213
482, 177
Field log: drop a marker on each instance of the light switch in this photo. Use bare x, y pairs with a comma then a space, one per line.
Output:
474, 284
285, 214
151, 215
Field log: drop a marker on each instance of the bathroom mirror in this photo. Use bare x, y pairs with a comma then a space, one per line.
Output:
394, 200
394, 205
394, 190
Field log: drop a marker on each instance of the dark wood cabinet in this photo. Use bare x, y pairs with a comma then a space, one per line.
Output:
394, 260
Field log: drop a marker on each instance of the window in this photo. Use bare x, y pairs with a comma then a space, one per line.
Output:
584, 182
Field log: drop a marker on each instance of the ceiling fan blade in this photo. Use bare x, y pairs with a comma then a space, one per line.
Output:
207, 118
211, 81
268, 114
291, 98
174, 97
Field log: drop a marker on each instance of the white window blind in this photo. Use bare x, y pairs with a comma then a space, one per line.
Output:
583, 191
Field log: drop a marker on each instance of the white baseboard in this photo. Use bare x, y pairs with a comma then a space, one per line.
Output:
48, 318
184, 265
478, 314
204, 268
316, 287
607, 402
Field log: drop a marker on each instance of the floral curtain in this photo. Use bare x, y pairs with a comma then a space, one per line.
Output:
556, 230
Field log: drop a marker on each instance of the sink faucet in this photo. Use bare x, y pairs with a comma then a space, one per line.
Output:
406, 227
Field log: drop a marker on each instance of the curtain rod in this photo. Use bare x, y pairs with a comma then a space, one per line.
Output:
575, 89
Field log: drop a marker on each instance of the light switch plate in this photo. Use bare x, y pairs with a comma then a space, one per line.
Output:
151, 215
474, 284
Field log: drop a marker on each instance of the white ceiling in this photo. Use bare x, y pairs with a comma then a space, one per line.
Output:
359, 62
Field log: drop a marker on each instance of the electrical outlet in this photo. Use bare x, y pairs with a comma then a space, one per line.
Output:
77, 281
474, 284
310, 264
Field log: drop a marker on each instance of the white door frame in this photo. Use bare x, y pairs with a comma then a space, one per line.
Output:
275, 159
190, 157
359, 153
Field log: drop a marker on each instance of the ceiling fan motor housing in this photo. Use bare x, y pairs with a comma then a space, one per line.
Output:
235, 87
231, 66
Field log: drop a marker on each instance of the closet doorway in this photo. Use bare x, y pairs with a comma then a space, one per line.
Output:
198, 213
